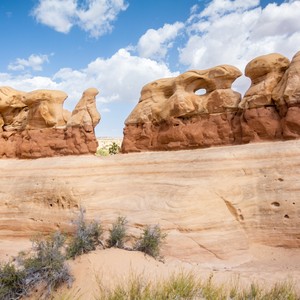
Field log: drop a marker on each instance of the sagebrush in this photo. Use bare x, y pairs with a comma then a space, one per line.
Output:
117, 234
151, 240
86, 238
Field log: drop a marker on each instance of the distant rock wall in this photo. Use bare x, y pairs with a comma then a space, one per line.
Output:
171, 116
34, 124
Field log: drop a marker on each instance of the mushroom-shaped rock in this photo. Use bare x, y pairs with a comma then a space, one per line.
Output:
265, 73
288, 90
85, 112
13, 111
45, 108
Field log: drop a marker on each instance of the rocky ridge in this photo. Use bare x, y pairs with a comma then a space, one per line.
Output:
171, 116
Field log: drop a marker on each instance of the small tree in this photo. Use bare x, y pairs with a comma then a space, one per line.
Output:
86, 237
114, 149
118, 233
151, 241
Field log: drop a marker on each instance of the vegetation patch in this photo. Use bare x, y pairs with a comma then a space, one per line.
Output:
86, 237
150, 241
186, 285
117, 234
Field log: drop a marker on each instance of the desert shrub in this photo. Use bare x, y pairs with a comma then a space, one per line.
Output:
151, 241
43, 265
86, 237
117, 233
12, 282
102, 152
47, 263
114, 149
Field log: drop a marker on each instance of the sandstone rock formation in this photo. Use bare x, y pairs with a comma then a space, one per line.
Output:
171, 115
85, 112
34, 124
213, 203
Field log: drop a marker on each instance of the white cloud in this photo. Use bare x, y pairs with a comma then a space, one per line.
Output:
33, 62
235, 32
56, 14
155, 43
94, 17
119, 78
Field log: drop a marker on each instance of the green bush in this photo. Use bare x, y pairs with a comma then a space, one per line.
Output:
12, 282
114, 149
86, 237
117, 234
43, 266
102, 152
151, 241
47, 263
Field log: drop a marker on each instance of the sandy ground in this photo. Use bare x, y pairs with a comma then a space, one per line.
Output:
108, 267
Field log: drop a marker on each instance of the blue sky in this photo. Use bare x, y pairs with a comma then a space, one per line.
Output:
118, 46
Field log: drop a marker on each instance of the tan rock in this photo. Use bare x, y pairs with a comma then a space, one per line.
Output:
169, 98
287, 92
265, 73
13, 111
85, 112
45, 109
213, 203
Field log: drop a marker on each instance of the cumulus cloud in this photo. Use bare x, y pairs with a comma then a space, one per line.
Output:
119, 78
93, 16
155, 43
234, 32
34, 62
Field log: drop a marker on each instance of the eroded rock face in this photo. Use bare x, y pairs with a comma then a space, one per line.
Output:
169, 111
34, 124
213, 203
170, 115
85, 112
13, 111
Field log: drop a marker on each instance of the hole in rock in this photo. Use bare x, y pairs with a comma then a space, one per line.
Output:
287, 216
241, 217
280, 179
276, 204
51, 204
200, 92
294, 203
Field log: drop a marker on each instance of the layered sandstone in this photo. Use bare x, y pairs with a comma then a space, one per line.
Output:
34, 124
214, 204
171, 115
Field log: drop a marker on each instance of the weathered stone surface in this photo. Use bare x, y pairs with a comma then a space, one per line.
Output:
213, 203
170, 116
169, 98
85, 112
265, 73
13, 111
34, 124
45, 109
